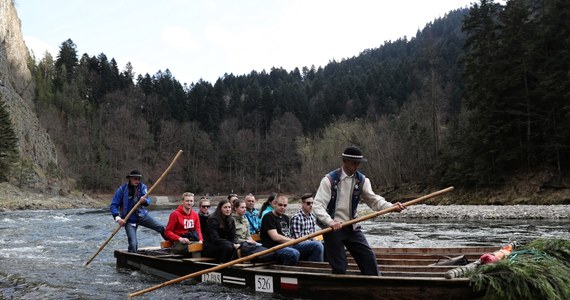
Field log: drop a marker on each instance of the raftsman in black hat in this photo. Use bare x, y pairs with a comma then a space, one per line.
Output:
134, 173
353, 153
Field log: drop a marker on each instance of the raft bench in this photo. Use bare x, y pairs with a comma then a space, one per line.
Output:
195, 249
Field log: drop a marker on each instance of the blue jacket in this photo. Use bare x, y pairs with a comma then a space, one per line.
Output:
254, 220
121, 205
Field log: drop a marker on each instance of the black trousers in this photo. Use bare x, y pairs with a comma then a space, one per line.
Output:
222, 251
356, 243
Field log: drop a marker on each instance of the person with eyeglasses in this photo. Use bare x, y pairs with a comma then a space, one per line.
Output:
336, 201
183, 226
125, 198
275, 230
203, 212
304, 222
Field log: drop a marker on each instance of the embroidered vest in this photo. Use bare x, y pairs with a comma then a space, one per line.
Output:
334, 178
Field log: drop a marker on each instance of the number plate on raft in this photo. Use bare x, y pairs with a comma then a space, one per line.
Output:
212, 277
264, 284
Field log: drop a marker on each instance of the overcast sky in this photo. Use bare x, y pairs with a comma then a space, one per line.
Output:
205, 39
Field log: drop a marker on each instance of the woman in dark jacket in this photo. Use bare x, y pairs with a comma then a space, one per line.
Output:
220, 239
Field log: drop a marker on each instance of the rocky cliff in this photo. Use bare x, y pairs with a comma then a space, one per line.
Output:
17, 90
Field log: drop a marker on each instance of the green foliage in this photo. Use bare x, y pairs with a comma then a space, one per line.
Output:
44, 73
66, 62
556, 248
24, 172
516, 112
539, 270
9, 144
53, 170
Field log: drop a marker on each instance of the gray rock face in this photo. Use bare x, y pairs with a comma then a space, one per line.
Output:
14, 70
17, 90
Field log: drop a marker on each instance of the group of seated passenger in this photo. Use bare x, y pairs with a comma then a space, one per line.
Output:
229, 229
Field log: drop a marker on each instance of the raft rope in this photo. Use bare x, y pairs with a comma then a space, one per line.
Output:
538, 255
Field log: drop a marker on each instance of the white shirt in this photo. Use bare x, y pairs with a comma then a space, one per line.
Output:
344, 198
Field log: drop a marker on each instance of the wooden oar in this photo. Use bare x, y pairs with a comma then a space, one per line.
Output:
134, 208
290, 243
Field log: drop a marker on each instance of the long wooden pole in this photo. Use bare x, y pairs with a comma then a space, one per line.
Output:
287, 244
134, 208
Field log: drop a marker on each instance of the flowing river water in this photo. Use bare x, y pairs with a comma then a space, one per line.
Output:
42, 252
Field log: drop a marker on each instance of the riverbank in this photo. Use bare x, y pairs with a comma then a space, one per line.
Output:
13, 198
480, 212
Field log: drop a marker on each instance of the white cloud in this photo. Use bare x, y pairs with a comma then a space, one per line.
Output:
179, 37
220, 36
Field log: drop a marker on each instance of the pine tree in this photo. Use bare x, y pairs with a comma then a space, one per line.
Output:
8, 147
552, 50
481, 143
516, 85
66, 61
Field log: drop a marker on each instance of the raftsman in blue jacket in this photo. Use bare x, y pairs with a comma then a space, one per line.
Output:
122, 205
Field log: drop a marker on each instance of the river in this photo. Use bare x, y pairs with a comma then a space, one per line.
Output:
42, 252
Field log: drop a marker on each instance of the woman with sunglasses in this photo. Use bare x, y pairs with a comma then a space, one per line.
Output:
203, 213
220, 238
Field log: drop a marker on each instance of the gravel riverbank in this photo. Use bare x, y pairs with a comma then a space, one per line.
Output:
483, 212
13, 198
422, 211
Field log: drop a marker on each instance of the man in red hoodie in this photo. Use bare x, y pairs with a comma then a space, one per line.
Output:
183, 225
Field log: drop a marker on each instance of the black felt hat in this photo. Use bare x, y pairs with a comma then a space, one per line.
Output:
134, 173
353, 153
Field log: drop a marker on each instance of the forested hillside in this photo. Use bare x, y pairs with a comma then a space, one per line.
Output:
472, 99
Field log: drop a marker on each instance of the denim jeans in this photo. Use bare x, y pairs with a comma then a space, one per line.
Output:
146, 221
287, 256
308, 250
